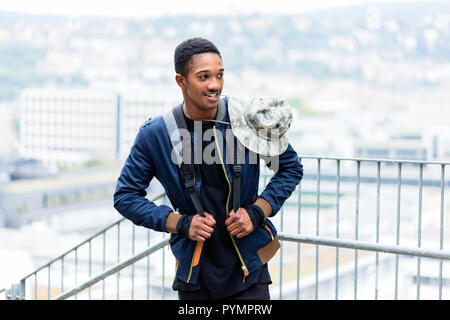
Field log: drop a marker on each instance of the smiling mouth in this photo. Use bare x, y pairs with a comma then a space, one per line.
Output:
212, 96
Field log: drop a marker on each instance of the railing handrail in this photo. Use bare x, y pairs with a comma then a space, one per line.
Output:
84, 241
341, 243
366, 246
375, 160
113, 270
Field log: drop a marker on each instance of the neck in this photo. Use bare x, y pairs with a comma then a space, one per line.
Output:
196, 114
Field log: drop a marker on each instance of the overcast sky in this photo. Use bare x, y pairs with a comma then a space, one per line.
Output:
148, 8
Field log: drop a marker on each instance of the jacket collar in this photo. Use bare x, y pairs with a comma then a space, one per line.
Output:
221, 112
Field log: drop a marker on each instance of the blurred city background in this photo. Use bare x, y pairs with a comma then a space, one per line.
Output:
365, 79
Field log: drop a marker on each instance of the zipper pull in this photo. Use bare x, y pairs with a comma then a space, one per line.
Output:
245, 273
270, 232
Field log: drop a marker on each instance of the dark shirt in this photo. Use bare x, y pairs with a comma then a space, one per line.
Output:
220, 274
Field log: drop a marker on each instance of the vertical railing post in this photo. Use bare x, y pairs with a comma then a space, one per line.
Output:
397, 240
317, 227
163, 275
132, 266
419, 227
35, 286
62, 274
377, 228
76, 269
358, 179
103, 263
22, 294
148, 266
299, 231
441, 229
118, 260
338, 191
281, 255
90, 266
48, 282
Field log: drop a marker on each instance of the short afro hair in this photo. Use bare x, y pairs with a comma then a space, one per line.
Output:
185, 50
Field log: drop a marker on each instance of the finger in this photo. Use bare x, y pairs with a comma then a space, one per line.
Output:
232, 225
210, 217
204, 234
234, 229
199, 238
209, 222
245, 230
231, 218
196, 237
229, 221
242, 234
196, 220
207, 229
237, 221
201, 226
240, 227
242, 212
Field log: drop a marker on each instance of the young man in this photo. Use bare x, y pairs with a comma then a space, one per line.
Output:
220, 252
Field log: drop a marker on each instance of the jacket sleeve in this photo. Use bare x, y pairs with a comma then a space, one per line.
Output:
130, 195
284, 181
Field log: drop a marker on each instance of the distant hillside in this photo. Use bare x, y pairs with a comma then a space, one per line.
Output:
362, 43
395, 10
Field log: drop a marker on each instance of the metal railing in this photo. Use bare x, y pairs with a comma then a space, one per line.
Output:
355, 229
77, 264
332, 184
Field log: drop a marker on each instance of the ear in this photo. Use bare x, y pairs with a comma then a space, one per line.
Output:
181, 81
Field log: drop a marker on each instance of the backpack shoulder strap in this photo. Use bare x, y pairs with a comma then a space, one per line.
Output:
236, 169
174, 120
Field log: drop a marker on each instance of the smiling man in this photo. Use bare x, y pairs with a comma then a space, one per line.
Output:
200, 76
220, 235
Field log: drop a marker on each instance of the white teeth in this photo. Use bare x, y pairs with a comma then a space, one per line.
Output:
212, 95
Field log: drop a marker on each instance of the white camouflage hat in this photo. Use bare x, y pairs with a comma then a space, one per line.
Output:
260, 123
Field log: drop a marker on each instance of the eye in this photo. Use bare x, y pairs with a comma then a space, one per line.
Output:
203, 77
220, 75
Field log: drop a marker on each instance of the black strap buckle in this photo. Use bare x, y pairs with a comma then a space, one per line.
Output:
189, 184
237, 169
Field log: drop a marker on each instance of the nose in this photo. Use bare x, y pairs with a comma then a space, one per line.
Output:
214, 84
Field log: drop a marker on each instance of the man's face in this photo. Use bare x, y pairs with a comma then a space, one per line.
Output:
204, 81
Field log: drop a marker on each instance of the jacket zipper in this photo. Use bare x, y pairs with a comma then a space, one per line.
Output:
244, 267
268, 230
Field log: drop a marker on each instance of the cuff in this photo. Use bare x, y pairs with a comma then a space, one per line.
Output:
183, 225
256, 215
172, 221
265, 206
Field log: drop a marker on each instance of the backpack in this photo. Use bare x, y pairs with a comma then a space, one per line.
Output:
174, 120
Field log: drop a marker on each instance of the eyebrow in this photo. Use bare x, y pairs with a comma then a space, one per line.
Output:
206, 70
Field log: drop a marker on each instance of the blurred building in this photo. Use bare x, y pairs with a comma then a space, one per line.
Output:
437, 139
136, 108
400, 150
70, 126
28, 200
29, 169
6, 131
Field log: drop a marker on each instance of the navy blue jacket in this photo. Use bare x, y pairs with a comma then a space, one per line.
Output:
150, 156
